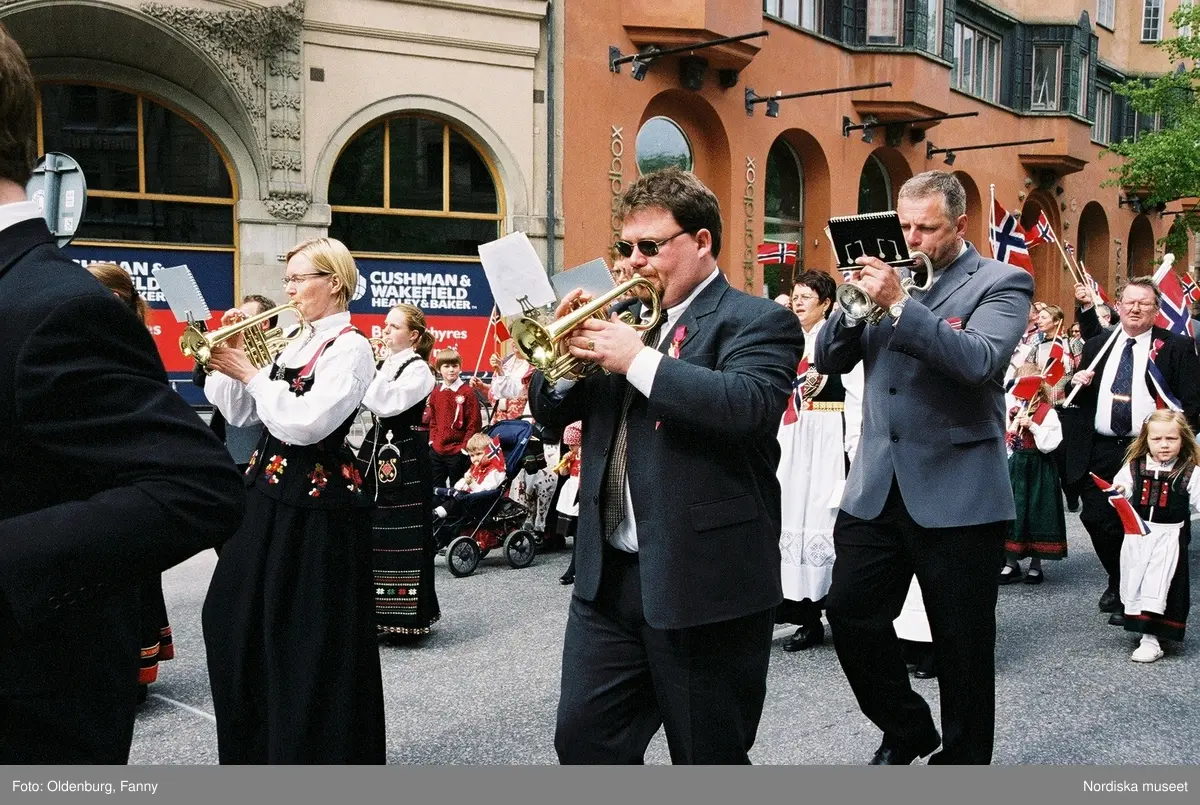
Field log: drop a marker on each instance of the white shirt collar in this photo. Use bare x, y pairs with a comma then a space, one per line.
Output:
673, 313
1140, 340
457, 385
1152, 464
16, 212
331, 322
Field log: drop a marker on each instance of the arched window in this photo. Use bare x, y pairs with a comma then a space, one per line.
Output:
152, 174
661, 143
874, 187
413, 185
783, 214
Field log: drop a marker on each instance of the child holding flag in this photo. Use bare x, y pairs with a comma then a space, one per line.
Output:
1160, 481
1040, 529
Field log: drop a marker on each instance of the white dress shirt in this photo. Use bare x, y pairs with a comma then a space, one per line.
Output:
1143, 402
18, 211
340, 378
387, 396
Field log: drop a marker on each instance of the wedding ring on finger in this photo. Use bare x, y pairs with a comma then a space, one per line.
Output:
591, 345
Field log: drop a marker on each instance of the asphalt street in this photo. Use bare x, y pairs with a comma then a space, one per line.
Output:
484, 687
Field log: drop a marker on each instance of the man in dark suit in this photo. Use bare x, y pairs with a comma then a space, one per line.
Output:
108, 479
1109, 408
677, 552
928, 492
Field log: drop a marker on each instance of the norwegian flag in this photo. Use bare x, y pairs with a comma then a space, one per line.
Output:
1163, 398
1173, 313
1097, 288
1042, 232
1131, 521
1191, 291
1026, 387
494, 450
784, 253
1008, 239
791, 414
1056, 366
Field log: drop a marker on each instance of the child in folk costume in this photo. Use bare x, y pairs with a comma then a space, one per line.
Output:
568, 493
394, 462
452, 415
487, 472
1034, 431
1160, 481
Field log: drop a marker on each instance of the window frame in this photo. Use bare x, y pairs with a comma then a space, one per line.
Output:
876, 9
934, 27
1110, 20
975, 82
777, 9
1056, 104
1081, 102
1149, 7
1102, 125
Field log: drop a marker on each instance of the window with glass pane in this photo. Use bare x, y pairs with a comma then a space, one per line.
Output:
1143, 123
97, 126
1104, 13
771, 7
660, 144
932, 25
976, 62
874, 187
471, 185
416, 163
784, 205
1185, 31
1046, 62
883, 22
180, 159
357, 179
143, 220
1103, 124
1151, 20
1082, 99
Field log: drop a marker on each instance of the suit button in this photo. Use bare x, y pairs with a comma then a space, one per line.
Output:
895, 438
595, 498
891, 391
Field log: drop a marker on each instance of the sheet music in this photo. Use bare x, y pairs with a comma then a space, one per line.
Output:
182, 293
514, 271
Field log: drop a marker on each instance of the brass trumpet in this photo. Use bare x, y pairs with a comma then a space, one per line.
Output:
261, 346
856, 304
544, 344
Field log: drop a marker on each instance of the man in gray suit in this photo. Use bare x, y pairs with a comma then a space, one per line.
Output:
929, 491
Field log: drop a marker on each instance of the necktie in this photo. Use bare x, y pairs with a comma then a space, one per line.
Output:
612, 504
1122, 393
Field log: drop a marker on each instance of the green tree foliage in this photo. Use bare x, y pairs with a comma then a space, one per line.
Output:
1164, 165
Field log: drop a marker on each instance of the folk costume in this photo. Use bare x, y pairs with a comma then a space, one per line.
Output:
818, 436
510, 389
398, 480
453, 416
289, 619
1154, 567
1040, 529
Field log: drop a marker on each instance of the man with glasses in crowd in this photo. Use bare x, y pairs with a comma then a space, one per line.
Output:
677, 552
1116, 397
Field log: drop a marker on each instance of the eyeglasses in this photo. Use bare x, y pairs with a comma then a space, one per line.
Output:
805, 297
1139, 305
648, 248
299, 278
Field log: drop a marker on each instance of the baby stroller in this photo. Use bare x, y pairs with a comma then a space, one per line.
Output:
492, 521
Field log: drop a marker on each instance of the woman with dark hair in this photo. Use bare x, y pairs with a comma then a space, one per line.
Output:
818, 437
157, 643
398, 479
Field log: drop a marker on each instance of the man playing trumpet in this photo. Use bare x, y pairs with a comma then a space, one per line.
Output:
677, 553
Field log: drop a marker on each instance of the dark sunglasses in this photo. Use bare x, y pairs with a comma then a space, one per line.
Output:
648, 248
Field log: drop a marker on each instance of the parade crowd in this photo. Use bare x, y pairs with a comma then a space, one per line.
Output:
819, 464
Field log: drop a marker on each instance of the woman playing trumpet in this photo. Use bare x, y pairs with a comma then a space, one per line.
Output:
289, 617
398, 479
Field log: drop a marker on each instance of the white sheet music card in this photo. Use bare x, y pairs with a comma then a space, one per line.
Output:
514, 271
182, 293
593, 277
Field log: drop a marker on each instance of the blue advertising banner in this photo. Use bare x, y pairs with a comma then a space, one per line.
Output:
213, 271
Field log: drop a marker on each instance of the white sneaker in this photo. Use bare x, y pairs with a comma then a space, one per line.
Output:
1146, 652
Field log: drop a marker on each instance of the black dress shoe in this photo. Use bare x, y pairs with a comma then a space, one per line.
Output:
566, 578
806, 637
890, 754
1116, 619
1073, 505
1110, 601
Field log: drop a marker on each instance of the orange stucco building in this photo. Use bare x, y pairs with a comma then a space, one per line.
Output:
1027, 69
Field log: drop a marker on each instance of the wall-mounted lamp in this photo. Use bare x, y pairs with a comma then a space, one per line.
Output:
895, 128
1132, 202
772, 101
931, 151
691, 75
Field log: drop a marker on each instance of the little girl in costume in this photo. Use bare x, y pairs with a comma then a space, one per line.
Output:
1160, 481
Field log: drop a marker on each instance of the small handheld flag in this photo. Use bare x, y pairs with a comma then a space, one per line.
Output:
1131, 521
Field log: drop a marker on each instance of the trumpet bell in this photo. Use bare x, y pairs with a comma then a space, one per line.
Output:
858, 304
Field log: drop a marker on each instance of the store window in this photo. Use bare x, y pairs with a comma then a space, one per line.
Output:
883, 22
1047, 64
1102, 128
413, 185
976, 62
661, 143
874, 187
152, 174
1151, 20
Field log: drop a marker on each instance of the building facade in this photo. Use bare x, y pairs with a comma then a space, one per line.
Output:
219, 133
963, 74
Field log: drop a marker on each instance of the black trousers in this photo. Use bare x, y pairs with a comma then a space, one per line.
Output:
1098, 516
957, 571
452, 466
622, 679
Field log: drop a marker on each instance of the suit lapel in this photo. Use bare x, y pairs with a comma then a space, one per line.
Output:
693, 318
951, 280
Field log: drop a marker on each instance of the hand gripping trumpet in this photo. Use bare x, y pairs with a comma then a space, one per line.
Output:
261, 346
544, 344
857, 305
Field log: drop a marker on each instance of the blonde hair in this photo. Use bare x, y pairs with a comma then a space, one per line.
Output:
330, 256
1188, 451
479, 443
415, 318
117, 280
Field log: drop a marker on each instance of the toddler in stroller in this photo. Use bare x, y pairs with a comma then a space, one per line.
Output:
477, 516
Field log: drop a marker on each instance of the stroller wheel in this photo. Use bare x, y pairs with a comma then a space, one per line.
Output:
519, 548
462, 556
